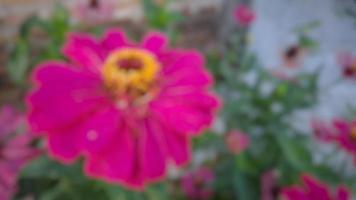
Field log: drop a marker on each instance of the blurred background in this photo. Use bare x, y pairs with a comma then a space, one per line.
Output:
284, 69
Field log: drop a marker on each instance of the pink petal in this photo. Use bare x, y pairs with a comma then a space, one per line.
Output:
184, 119
178, 146
293, 193
84, 51
342, 194
63, 146
99, 130
64, 97
154, 42
342, 126
186, 72
9, 120
186, 115
315, 189
153, 151
114, 39
116, 163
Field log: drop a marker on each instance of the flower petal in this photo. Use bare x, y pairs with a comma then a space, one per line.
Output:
315, 189
293, 193
63, 146
154, 42
186, 71
178, 145
84, 50
114, 39
342, 194
117, 162
153, 151
64, 96
185, 112
99, 130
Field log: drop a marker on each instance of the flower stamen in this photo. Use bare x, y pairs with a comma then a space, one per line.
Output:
130, 70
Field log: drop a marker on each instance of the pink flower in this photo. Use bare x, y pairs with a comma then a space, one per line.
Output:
313, 189
127, 108
244, 15
322, 130
340, 131
198, 184
94, 11
15, 150
346, 136
269, 185
236, 141
348, 64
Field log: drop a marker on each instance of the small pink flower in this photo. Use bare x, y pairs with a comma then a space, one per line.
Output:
127, 108
341, 131
15, 150
348, 64
198, 184
313, 189
269, 185
94, 11
236, 141
244, 15
322, 130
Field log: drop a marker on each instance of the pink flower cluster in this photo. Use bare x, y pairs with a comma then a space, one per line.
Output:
15, 150
313, 189
340, 131
198, 184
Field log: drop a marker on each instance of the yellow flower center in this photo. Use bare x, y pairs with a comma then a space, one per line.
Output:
353, 133
130, 71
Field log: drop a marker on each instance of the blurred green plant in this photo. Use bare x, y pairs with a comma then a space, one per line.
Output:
158, 16
27, 51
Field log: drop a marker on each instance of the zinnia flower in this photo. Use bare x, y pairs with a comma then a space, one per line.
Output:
236, 141
15, 150
126, 107
313, 189
198, 184
348, 64
244, 15
94, 11
341, 131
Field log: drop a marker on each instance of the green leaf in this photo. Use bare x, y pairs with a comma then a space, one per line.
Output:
307, 42
19, 63
295, 151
